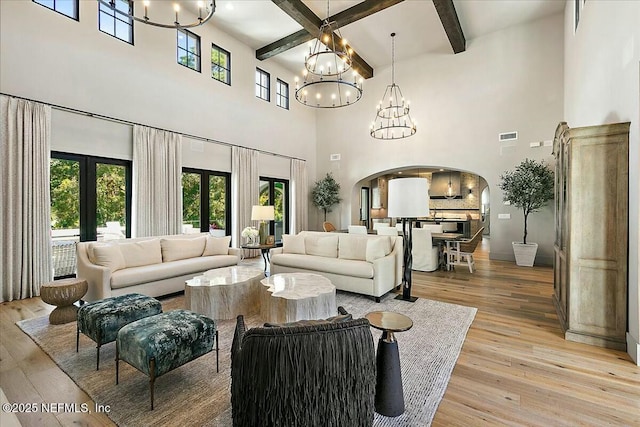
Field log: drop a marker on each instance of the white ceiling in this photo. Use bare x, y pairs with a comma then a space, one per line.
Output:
416, 23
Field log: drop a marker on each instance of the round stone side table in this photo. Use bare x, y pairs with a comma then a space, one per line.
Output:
63, 294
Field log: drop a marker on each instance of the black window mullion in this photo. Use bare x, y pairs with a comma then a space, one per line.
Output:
91, 200
204, 201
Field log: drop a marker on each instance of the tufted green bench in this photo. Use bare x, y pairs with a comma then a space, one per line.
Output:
158, 344
101, 320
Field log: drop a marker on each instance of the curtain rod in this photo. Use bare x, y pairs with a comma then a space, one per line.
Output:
127, 122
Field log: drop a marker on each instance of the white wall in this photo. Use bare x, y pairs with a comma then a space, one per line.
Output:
54, 59
510, 80
602, 85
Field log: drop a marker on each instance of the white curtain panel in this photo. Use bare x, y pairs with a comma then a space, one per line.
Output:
245, 192
299, 196
157, 182
25, 214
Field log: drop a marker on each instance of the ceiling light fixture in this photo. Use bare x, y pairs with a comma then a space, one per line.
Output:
205, 11
450, 194
393, 120
326, 65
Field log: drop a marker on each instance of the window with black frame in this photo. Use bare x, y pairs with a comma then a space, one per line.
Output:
282, 94
188, 52
90, 200
263, 84
116, 21
275, 192
206, 201
65, 7
220, 64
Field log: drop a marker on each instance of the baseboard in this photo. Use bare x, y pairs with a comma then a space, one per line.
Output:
633, 348
541, 261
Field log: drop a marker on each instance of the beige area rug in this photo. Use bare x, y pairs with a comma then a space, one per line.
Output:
195, 395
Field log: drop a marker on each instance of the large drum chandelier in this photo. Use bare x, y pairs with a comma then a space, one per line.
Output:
325, 82
205, 11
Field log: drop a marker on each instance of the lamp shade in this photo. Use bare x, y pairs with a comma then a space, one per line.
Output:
408, 198
262, 213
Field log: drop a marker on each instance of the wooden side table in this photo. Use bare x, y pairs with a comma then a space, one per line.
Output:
63, 294
389, 400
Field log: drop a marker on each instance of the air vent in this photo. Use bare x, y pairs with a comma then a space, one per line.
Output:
334, 157
508, 136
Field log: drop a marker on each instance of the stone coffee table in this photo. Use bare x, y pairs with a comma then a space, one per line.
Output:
289, 297
224, 293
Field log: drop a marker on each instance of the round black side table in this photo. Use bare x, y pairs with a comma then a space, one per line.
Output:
389, 399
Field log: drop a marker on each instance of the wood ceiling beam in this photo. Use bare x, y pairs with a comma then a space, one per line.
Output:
449, 18
311, 24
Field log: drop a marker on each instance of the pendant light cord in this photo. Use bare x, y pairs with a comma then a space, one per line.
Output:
393, 56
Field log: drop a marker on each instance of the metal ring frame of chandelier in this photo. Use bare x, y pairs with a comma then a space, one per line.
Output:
324, 85
392, 121
209, 9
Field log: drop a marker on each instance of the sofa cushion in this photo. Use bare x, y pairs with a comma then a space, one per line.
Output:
166, 270
176, 249
321, 245
145, 252
345, 267
217, 246
378, 247
293, 244
352, 246
107, 255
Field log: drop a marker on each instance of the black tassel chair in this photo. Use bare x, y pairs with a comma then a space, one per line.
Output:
308, 373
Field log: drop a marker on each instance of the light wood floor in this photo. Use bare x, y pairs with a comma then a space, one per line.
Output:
514, 369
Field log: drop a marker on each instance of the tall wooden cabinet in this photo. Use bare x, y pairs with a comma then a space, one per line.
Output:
591, 232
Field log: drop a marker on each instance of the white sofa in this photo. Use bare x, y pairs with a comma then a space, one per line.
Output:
362, 263
152, 266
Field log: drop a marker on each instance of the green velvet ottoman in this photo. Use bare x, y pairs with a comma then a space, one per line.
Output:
101, 320
158, 344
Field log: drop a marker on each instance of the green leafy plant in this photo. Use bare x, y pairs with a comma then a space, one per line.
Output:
529, 187
325, 194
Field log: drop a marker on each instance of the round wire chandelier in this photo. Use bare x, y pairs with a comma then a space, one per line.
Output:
205, 11
392, 119
324, 82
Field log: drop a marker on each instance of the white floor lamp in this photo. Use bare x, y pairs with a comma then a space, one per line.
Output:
408, 199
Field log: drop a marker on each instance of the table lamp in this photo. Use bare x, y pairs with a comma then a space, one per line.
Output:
408, 199
262, 214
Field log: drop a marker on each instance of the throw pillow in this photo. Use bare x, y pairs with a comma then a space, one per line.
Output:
321, 245
108, 256
217, 246
352, 246
293, 244
378, 248
145, 252
176, 249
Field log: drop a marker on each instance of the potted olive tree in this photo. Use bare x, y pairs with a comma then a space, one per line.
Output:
529, 187
325, 194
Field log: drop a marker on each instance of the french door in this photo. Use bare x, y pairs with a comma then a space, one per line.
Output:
274, 191
90, 197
